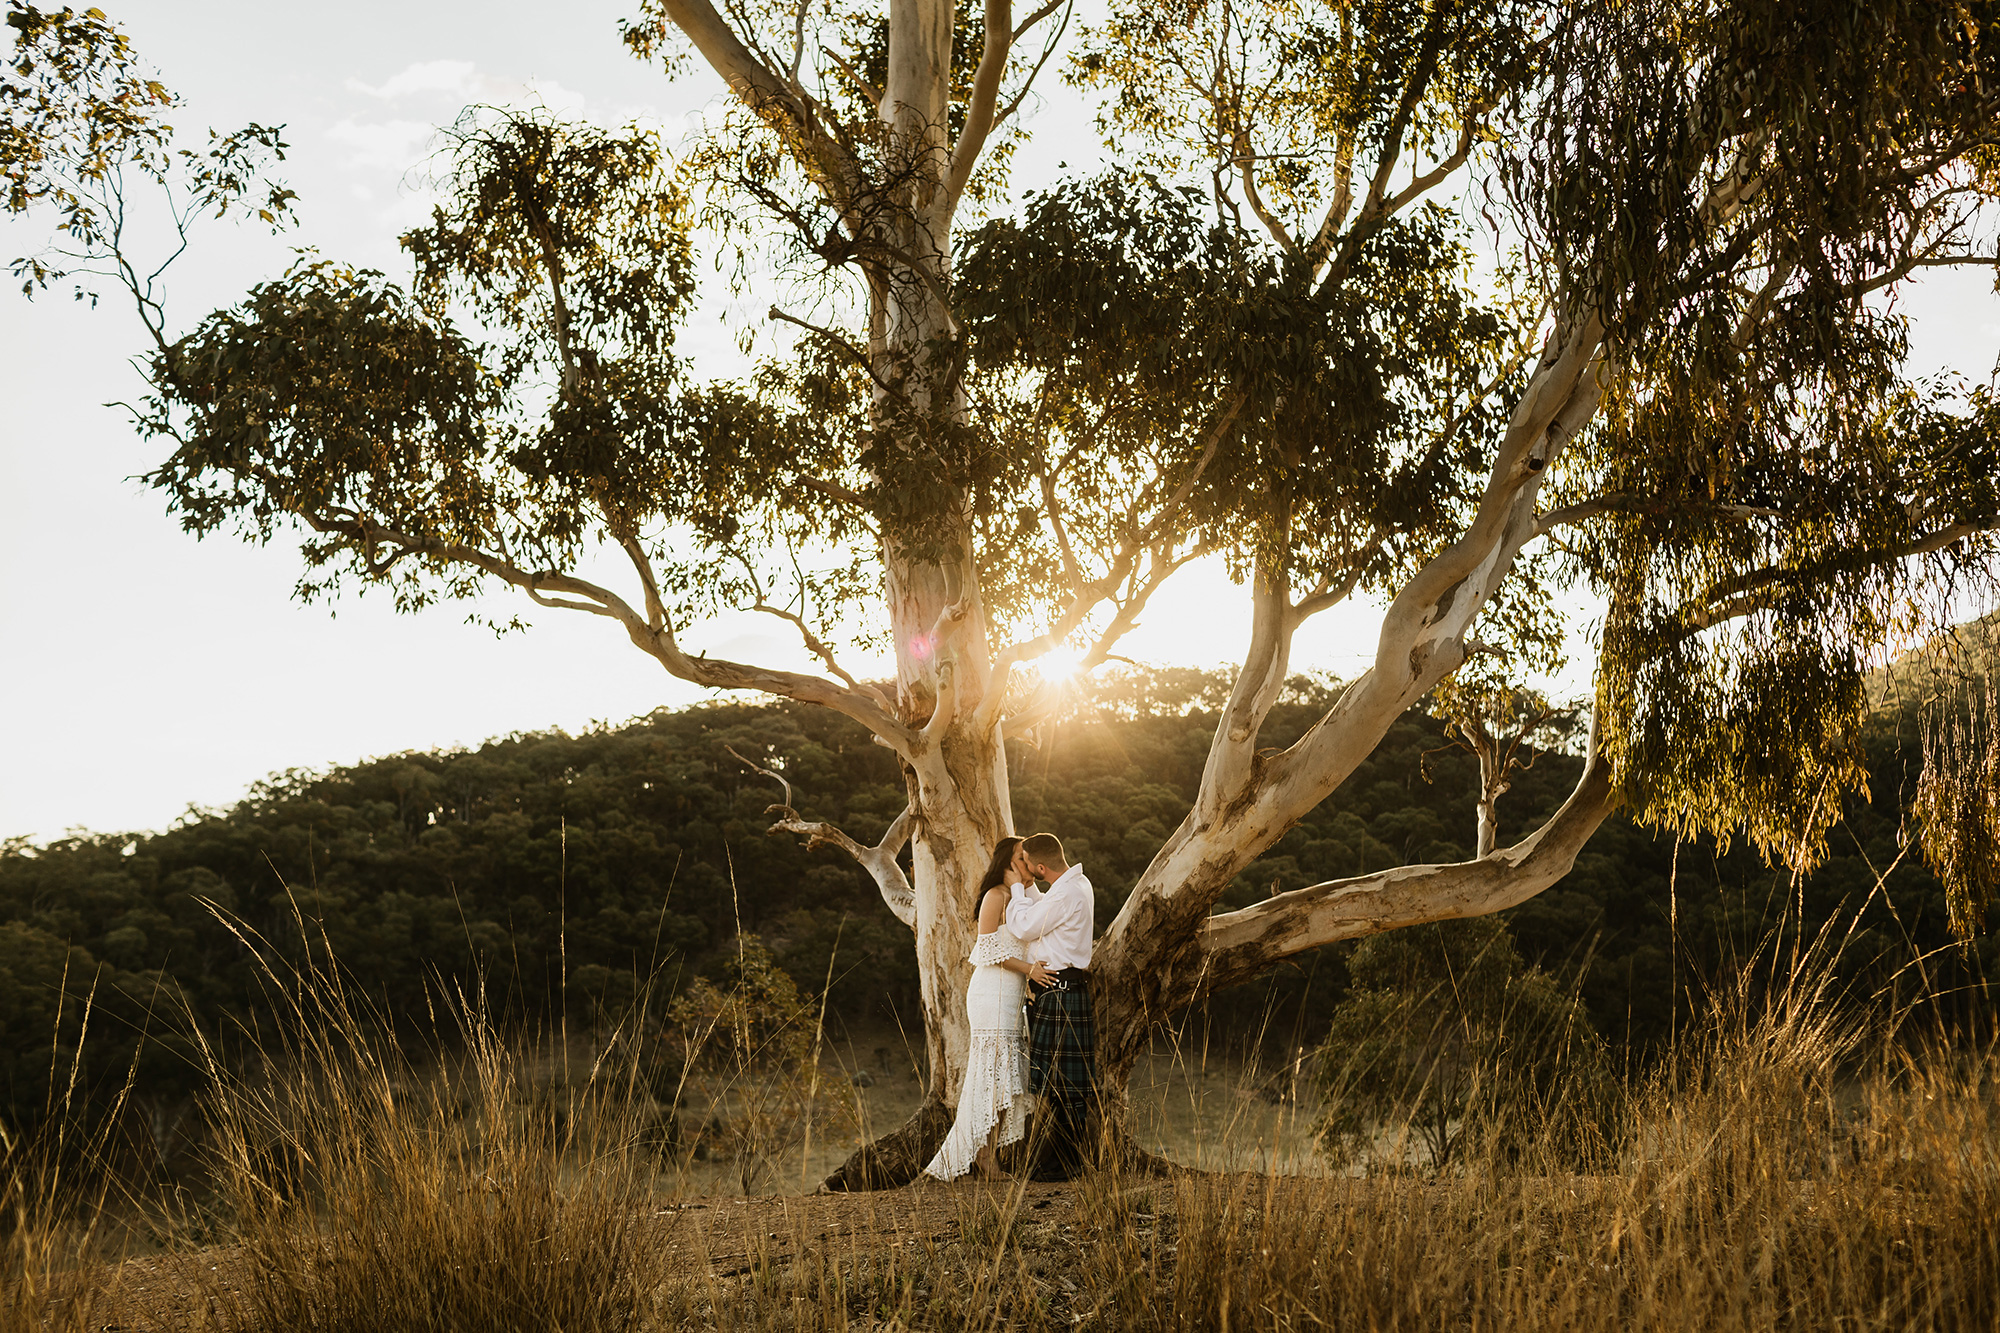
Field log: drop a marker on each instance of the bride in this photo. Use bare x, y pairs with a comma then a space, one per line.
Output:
993, 1102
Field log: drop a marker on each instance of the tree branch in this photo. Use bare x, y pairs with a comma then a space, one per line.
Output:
1327, 593
1245, 162
1039, 708
1236, 946
1747, 592
1230, 411
1374, 207
1068, 7
1584, 510
1085, 596
1231, 763
866, 89
765, 92
656, 609
1421, 640
840, 344
1072, 571
979, 118
835, 491
1759, 306
1163, 566
879, 861
657, 641
813, 643
1343, 200
1560, 397
1420, 184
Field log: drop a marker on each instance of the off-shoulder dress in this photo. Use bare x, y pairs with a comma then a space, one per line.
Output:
996, 1069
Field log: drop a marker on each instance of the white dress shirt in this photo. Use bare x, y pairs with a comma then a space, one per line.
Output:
1055, 925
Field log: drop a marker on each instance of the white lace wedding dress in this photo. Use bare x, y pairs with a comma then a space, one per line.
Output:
996, 1070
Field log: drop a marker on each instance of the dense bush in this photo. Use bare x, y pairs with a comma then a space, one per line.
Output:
563, 872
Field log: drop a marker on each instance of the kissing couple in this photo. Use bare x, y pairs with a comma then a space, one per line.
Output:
1033, 948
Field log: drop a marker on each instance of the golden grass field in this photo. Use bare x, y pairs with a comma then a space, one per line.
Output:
1795, 1170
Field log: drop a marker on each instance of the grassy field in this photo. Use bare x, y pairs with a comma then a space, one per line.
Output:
1789, 1171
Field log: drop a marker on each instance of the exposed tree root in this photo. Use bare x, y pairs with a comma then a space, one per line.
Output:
897, 1157
1123, 1153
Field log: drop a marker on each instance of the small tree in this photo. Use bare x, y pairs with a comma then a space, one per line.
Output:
1449, 1040
1506, 727
756, 1041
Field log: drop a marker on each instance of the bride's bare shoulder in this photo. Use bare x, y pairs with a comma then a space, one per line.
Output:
992, 908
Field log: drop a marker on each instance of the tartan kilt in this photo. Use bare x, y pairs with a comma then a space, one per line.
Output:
1062, 1045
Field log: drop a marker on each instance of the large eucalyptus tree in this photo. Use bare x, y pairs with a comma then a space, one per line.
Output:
1269, 349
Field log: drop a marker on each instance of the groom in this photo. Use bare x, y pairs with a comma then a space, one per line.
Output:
1055, 926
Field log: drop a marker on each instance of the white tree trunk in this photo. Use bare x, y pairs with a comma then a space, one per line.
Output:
1157, 954
962, 808
1152, 957
1492, 784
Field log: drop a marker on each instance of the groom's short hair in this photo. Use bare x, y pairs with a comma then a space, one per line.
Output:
1044, 849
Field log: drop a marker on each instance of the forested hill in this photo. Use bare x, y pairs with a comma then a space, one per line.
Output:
639, 851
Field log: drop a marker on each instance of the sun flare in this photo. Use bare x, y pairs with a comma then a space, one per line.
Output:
1060, 663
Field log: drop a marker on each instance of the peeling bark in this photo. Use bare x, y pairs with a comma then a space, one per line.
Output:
961, 824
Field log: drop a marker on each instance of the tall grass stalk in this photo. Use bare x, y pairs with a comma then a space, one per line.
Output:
370, 1196
54, 1186
1759, 1190
47, 1243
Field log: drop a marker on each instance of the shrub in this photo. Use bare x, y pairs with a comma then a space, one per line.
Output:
1448, 1042
757, 1042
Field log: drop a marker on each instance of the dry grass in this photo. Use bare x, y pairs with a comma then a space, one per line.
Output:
53, 1208
1760, 1192
1791, 1171
363, 1198
47, 1246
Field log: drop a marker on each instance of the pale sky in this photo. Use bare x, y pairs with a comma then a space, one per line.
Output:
144, 672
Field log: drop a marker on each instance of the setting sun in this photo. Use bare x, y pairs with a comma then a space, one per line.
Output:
1060, 663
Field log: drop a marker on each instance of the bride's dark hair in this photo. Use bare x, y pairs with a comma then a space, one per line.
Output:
996, 874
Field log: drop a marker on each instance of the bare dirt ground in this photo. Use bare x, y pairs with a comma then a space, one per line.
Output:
1193, 1107
729, 1237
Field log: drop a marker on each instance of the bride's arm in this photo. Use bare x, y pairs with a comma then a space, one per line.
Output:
1036, 972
